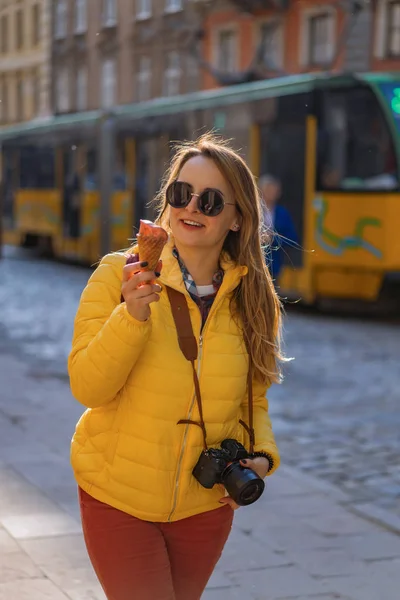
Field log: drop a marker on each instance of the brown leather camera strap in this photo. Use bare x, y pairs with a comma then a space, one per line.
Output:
188, 346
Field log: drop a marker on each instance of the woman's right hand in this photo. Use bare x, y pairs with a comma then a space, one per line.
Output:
138, 299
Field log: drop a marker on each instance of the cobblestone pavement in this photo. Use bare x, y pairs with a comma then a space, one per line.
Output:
337, 415
300, 541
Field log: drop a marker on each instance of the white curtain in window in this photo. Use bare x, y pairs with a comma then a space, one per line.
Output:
61, 11
108, 83
62, 90
227, 50
81, 88
172, 76
110, 12
143, 80
143, 9
271, 34
321, 38
80, 15
173, 5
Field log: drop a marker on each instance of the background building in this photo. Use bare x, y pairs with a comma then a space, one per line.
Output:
255, 39
108, 52
24, 60
111, 52
386, 36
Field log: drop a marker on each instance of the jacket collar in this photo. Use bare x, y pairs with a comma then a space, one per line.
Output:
171, 273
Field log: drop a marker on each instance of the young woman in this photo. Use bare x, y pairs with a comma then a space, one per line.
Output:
152, 531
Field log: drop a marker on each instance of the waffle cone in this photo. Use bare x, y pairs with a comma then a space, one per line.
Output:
150, 248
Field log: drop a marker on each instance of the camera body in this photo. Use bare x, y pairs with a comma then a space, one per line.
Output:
223, 466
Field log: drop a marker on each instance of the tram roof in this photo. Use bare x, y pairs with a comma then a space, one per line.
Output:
245, 92
50, 124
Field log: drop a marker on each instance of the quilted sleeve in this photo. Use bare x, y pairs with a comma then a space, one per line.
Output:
107, 340
264, 437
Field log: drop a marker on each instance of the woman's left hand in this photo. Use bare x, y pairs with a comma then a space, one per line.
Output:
259, 465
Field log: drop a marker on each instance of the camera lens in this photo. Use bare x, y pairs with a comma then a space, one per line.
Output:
242, 484
251, 493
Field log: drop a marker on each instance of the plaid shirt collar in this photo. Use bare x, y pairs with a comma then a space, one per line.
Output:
189, 281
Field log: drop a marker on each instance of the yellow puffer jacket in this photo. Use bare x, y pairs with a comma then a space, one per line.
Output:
128, 450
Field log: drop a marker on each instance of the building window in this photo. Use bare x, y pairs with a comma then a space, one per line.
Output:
4, 34
173, 5
393, 29
3, 100
60, 19
80, 16
143, 81
109, 13
36, 23
81, 88
36, 93
227, 50
108, 83
192, 73
19, 29
172, 75
272, 43
62, 90
321, 46
143, 9
20, 100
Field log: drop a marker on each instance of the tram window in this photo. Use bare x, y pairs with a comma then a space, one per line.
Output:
8, 187
354, 145
91, 170
27, 168
120, 182
37, 168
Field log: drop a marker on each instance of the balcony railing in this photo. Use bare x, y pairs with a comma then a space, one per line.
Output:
251, 6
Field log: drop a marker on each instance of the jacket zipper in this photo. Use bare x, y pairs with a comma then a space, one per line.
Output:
178, 471
185, 435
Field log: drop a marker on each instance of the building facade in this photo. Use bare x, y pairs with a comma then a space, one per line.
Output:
386, 35
110, 52
268, 38
24, 60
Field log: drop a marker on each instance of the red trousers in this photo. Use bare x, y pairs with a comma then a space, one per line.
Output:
140, 560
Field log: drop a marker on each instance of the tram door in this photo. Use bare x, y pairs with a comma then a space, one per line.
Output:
8, 186
283, 149
71, 193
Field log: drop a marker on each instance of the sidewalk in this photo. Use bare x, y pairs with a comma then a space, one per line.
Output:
301, 541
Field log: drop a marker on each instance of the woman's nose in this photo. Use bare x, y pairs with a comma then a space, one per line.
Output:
193, 205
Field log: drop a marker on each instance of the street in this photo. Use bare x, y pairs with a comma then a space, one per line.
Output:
327, 528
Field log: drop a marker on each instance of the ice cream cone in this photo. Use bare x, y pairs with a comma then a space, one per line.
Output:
150, 249
151, 241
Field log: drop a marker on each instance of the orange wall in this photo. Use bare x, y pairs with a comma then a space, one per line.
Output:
247, 30
385, 64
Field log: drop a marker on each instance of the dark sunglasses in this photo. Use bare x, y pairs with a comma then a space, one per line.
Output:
210, 202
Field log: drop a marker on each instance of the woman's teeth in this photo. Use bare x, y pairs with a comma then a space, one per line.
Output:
193, 223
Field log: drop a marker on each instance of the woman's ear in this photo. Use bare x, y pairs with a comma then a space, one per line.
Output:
236, 223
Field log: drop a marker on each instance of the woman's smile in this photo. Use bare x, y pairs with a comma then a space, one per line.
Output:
191, 224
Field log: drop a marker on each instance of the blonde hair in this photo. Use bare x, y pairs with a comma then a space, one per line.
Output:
255, 304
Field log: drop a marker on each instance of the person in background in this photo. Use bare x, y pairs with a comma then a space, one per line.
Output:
277, 222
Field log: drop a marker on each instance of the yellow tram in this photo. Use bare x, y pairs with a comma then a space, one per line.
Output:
79, 184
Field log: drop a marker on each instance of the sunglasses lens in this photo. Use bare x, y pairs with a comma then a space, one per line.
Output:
211, 203
178, 194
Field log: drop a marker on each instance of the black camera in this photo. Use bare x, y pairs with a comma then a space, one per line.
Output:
243, 485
